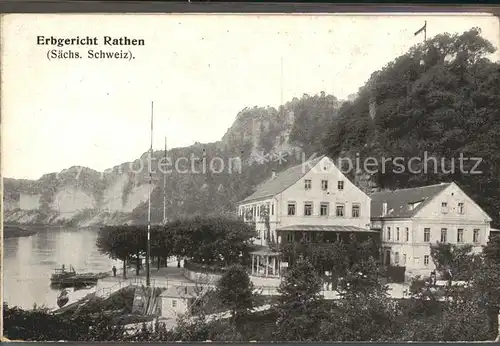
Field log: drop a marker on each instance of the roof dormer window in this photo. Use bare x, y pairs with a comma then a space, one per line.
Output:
413, 205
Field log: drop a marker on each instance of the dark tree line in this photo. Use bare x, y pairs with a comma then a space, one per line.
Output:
214, 241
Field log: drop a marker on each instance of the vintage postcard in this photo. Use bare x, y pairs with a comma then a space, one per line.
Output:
251, 177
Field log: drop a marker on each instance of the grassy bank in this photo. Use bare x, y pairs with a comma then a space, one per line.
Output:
14, 231
118, 306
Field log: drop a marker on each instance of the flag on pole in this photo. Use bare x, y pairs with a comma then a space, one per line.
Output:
424, 29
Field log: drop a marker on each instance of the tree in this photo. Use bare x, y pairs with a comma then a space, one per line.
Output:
162, 243
212, 240
41, 325
453, 262
492, 248
462, 316
123, 242
363, 278
300, 304
114, 242
485, 283
365, 312
235, 292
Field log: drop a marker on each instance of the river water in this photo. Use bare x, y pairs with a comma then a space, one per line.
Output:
30, 261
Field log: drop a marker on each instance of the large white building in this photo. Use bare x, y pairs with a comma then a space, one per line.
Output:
411, 219
313, 196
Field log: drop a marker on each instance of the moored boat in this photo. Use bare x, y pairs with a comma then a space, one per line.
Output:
62, 273
63, 298
63, 278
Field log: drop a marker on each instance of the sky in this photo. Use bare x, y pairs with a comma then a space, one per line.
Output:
200, 70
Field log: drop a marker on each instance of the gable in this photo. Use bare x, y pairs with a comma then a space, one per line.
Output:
452, 196
282, 181
325, 169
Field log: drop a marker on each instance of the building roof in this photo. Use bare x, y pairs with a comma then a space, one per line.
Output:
399, 202
282, 181
263, 250
180, 292
327, 228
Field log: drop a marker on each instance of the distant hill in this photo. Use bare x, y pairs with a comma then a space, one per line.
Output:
79, 196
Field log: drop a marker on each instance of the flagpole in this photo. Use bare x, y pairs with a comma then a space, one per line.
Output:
165, 188
424, 29
281, 81
148, 246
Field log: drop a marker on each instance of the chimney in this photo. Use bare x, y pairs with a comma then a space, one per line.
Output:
273, 174
384, 209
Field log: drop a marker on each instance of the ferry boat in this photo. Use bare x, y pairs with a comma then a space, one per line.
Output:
63, 278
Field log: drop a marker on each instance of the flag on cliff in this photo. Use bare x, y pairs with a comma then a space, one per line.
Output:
424, 29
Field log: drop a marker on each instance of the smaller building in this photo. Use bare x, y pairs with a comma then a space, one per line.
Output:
177, 300
412, 219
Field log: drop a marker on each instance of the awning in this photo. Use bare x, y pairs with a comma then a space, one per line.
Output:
326, 228
263, 251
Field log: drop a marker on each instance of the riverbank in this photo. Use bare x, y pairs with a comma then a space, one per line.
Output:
16, 232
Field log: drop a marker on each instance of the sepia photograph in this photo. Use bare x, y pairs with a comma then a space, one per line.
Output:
250, 177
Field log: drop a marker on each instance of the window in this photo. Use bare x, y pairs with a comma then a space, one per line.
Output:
460, 235
272, 209
397, 233
307, 236
444, 207
340, 210
396, 258
475, 236
427, 235
407, 234
291, 209
289, 237
355, 210
444, 232
404, 259
460, 208
324, 184
340, 185
174, 303
307, 184
323, 209
416, 260
426, 260
388, 233
308, 209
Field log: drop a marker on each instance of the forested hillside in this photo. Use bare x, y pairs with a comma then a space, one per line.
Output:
440, 100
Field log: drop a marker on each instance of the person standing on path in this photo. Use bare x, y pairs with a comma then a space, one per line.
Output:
114, 271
